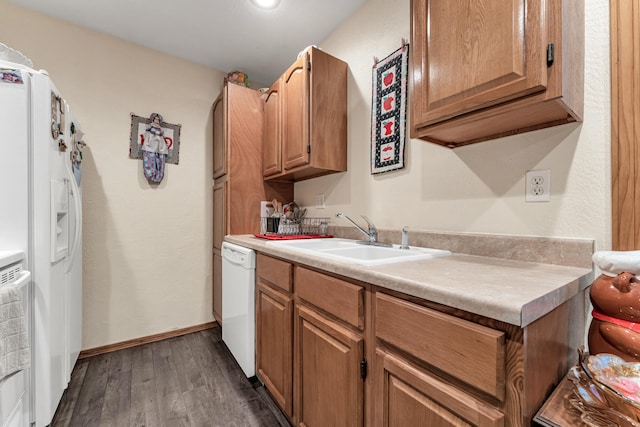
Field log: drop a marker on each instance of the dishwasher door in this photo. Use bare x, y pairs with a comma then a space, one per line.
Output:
238, 304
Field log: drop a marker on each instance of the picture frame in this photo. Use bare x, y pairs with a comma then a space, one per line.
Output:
171, 136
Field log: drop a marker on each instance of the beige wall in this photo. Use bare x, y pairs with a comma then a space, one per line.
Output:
478, 188
147, 249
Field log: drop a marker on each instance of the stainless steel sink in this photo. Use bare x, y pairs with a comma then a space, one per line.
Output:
350, 251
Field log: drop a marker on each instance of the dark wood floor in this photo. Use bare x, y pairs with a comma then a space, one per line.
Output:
190, 380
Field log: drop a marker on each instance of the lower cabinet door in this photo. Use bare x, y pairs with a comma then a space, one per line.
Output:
329, 384
409, 396
217, 286
274, 344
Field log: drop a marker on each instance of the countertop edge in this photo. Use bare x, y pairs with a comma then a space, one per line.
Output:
559, 285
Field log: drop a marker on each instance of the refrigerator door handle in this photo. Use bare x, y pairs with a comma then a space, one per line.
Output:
75, 192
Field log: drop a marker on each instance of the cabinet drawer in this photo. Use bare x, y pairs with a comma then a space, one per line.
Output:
470, 352
337, 297
274, 272
409, 396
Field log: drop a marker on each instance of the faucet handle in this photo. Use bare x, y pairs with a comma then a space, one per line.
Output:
369, 223
373, 231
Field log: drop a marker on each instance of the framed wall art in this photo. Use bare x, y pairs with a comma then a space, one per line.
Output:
170, 136
389, 111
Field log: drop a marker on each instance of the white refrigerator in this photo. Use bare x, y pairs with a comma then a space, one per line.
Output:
41, 215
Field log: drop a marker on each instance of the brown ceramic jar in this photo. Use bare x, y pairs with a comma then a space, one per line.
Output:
616, 309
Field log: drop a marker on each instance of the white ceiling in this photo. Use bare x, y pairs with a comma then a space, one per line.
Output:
224, 34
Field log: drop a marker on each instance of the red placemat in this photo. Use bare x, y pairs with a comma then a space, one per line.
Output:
292, 236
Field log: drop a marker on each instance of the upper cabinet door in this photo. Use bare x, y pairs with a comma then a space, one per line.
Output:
271, 149
471, 54
219, 136
295, 113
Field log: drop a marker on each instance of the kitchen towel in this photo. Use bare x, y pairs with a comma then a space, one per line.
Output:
15, 353
613, 263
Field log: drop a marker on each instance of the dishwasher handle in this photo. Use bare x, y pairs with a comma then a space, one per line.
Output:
238, 255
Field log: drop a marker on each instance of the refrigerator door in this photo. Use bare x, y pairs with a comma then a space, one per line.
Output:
14, 162
49, 272
15, 218
73, 263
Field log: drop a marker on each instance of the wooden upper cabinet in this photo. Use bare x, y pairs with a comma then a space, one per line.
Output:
312, 119
295, 113
271, 150
219, 137
482, 59
484, 69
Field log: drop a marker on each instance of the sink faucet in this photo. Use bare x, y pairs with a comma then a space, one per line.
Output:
405, 238
371, 233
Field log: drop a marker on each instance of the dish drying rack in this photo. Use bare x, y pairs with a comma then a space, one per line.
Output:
275, 226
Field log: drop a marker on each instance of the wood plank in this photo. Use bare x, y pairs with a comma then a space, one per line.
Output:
625, 124
64, 413
144, 404
88, 409
199, 406
189, 375
117, 396
221, 397
170, 402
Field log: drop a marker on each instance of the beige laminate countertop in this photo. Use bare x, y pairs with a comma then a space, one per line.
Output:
514, 292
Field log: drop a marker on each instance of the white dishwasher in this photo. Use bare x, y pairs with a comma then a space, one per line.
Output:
238, 305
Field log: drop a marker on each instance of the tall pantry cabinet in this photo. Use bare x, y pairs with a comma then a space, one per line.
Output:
238, 186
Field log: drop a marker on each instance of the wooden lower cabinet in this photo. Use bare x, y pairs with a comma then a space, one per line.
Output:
328, 357
409, 396
274, 321
429, 364
217, 286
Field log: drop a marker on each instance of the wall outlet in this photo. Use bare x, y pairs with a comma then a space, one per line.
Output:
538, 186
320, 201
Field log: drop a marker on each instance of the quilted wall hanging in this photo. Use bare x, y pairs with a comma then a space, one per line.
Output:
156, 143
389, 111
170, 135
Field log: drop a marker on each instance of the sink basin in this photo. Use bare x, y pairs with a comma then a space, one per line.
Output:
350, 251
316, 244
